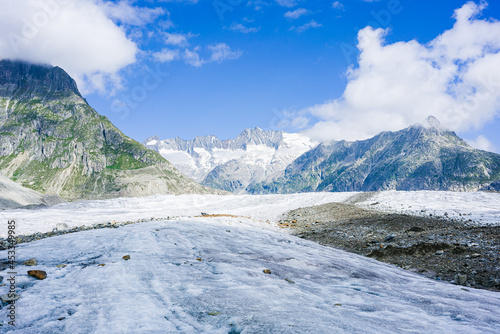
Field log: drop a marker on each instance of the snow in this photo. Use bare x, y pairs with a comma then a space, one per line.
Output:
178, 157
269, 158
163, 288
262, 208
480, 208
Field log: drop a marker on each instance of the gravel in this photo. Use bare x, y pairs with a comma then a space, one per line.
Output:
436, 247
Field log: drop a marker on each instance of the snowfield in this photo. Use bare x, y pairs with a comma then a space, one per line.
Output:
206, 274
262, 208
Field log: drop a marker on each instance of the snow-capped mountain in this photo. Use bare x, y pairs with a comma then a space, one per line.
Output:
421, 157
255, 156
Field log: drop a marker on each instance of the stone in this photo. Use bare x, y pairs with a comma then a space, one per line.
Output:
390, 237
62, 227
30, 262
199, 259
440, 252
40, 274
61, 266
214, 313
475, 255
460, 279
289, 281
10, 297
101, 265
266, 271
126, 257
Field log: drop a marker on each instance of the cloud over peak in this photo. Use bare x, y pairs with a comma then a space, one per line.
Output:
455, 77
82, 36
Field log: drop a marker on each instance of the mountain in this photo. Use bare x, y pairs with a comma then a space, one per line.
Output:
420, 157
254, 156
53, 142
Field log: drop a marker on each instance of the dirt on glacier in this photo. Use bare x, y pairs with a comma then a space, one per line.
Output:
437, 247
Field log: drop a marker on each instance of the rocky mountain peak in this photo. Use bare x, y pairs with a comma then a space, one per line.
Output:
432, 123
39, 78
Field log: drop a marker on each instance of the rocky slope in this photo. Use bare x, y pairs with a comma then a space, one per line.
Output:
421, 157
254, 156
52, 141
14, 195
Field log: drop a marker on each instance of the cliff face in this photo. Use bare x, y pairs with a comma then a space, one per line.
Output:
52, 141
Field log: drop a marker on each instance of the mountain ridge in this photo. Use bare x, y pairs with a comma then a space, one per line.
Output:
423, 156
420, 157
255, 155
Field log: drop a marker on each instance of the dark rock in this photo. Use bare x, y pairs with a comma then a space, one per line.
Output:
416, 229
415, 250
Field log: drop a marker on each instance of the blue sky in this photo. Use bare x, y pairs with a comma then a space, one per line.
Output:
188, 68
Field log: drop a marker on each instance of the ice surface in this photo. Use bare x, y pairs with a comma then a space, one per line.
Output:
163, 288
262, 208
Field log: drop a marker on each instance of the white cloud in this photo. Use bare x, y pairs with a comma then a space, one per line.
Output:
307, 26
218, 53
123, 12
258, 5
166, 55
241, 28
482, 143
176, 39
338, 5
293, 15
287, 3
192, 57
78, 35
221, 52
456, 78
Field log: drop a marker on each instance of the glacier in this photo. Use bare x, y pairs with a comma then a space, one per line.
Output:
199, 274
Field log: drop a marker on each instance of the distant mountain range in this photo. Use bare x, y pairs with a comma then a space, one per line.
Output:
255, 156
53, 142
420, 157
